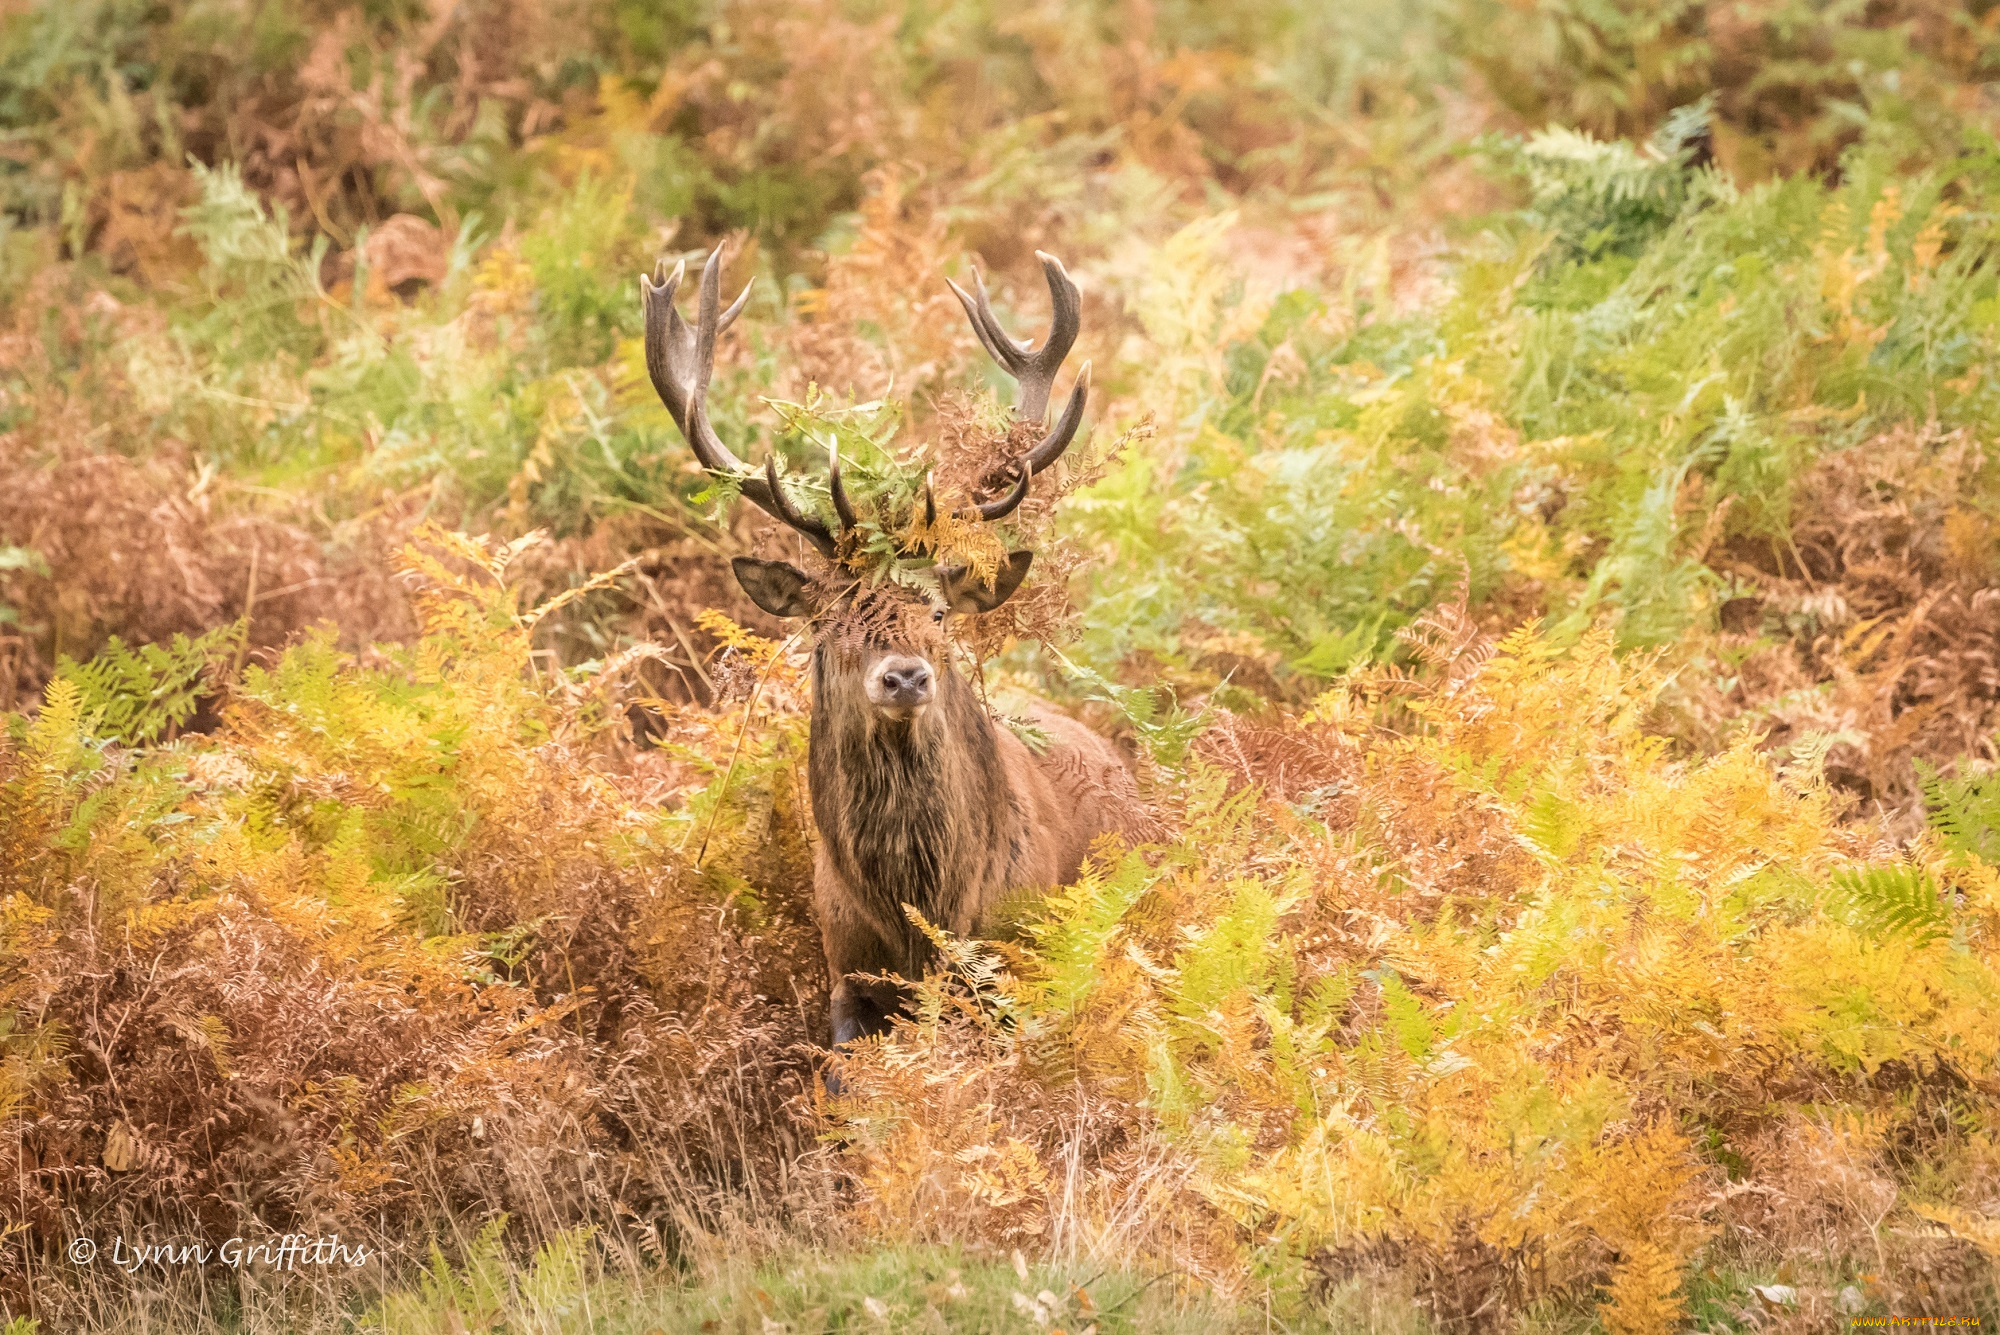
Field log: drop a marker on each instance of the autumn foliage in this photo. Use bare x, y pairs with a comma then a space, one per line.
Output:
1537, 537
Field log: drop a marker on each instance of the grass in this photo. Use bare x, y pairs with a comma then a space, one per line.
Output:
566, 1290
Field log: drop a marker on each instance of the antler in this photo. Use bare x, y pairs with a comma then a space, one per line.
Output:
681, 360
1035, 372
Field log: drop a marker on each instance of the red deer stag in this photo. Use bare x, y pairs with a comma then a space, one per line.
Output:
920, 798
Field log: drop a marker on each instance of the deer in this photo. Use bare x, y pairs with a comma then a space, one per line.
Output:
923, 803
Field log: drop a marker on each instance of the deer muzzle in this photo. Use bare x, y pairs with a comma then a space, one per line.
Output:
901, 687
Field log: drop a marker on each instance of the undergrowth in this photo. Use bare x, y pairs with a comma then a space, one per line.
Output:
1536, 530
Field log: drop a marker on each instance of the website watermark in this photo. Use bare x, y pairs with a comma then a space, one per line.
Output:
1912, 1322
284, 1253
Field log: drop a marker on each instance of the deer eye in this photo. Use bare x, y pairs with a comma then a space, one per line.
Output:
937, 614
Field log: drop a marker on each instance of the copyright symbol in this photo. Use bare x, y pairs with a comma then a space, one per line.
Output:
82, 1251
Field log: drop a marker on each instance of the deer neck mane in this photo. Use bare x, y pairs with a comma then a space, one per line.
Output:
917, 813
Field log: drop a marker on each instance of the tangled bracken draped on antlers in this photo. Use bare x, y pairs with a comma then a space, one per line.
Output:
680, 358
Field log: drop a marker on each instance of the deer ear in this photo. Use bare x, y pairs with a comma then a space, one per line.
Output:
963, 594
776, 587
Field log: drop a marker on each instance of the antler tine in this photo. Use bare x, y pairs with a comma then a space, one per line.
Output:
781, 507
1000, 345
1035, 371
1008, 504
1050, 447
930, 521
712, 320
728, 317
842, 506
680, 361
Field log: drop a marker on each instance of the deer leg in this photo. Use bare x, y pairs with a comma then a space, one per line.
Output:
863, 1009
855, 1015
852, 1013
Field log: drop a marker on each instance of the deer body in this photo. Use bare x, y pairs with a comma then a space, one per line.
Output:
923, 802
947, 813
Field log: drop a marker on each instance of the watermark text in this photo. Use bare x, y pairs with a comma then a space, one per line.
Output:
285, 1252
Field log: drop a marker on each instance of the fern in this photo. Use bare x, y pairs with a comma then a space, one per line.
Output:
1608, 198
554, 1288
1077, 926
1030, 733
136, 695
1898, 901
1235, 955
259, 285
1552, 824
244, 245
475, 1295
1643, 1297
1408, 1022
1155, 713
1964, 811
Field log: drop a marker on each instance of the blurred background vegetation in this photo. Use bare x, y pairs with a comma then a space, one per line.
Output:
1648, 345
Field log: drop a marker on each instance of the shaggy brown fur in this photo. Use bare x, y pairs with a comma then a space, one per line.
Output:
946, 813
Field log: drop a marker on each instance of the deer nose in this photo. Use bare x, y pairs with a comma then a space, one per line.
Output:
903, 684
912, 681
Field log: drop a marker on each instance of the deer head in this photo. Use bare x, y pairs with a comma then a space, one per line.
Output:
889, 636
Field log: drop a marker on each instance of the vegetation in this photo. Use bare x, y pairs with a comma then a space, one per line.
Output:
1539, 537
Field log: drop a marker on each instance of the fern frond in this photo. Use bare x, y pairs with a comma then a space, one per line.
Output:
1964, 811
139, 694
1897, 901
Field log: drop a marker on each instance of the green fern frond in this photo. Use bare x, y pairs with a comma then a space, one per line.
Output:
1964, 811
1891, 902
1079, 926
138, 694
1608, 197
1155, 713
1553, 824
1408, 1023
